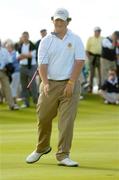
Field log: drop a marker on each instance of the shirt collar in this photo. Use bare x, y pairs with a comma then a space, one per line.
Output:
66, 35
113, 82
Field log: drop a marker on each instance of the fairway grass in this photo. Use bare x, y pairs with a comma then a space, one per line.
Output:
95, 144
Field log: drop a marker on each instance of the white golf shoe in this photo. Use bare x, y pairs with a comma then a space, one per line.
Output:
34, 156
68, 162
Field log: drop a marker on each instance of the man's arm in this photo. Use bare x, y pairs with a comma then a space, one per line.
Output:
88, 48
43, 74
28, 55
24, 56
78, 65
79, 54
43, 61
88, 54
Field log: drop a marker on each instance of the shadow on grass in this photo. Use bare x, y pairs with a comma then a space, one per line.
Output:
99, 168
81, 167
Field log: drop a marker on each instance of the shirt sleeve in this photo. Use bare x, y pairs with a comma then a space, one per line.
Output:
107, 44
43, 52
79, 49
17, 54
33, 54
88, 45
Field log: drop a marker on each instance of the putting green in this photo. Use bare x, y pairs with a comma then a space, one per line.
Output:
95, 144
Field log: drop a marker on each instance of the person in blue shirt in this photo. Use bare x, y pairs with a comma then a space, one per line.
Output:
15, 84
4, 80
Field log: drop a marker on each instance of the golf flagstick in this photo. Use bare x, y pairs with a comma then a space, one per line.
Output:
35, 74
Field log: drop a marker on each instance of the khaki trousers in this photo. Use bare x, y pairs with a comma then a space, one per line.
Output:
47, 109
6, 88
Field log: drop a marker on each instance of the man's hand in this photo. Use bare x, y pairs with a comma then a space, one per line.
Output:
25, 56
43, 75
68, 91
21, 57
46, 89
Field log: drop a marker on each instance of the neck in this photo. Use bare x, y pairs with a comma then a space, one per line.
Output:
26, 42
97, 36
62, 34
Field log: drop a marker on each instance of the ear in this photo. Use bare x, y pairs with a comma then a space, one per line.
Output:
69, 19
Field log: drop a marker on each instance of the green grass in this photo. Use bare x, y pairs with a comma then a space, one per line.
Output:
95, 144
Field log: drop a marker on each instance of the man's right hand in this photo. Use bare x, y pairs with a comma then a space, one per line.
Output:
46, 89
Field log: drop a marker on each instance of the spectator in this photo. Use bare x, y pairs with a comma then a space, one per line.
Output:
7, 41
18, 44
108, 56
43, 33
4, 60
93, 51
27, 57
117, 55
15, 84
83, 82
110, 89
1, 94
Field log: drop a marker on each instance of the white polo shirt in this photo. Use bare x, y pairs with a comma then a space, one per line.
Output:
25, 50
107, 43
60, 54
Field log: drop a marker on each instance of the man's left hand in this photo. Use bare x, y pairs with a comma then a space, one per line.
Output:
68, 91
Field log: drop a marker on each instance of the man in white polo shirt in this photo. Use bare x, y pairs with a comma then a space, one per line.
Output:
61, 57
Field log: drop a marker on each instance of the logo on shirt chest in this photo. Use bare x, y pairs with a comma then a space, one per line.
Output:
69, 45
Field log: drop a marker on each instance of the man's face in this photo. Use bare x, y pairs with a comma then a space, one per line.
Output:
112, 75
97, 33
115, 38
25, 38
43, 33
60, 25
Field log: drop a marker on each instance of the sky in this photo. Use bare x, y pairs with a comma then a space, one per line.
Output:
17, 16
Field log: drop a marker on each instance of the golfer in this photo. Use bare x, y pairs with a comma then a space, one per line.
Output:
61, 57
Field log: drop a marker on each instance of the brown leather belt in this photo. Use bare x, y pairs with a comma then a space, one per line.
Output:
58, 80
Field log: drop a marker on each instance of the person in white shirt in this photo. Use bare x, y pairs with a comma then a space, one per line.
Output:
61, 58
93, 51
27, 58
4, 80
